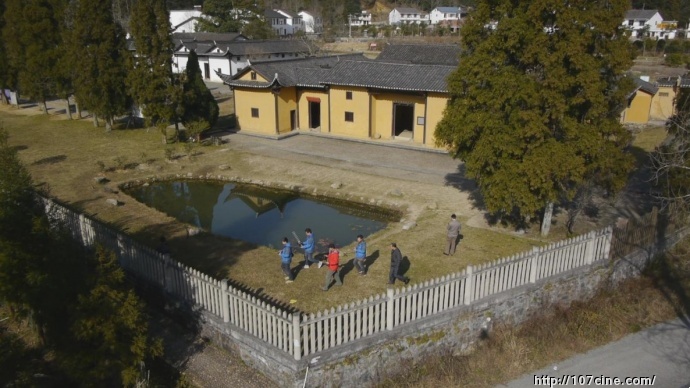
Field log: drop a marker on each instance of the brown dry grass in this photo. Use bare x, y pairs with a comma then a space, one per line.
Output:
562, 332
63, 156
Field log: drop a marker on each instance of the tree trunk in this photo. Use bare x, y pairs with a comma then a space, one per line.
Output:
69, 108
45, 107
95, 120
76, 104
108, 124
4, 97
546, 221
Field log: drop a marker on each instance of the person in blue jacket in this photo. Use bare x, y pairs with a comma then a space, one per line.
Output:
308, 246
361, 255
286, 260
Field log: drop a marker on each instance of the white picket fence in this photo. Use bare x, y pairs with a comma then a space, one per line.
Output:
301, 335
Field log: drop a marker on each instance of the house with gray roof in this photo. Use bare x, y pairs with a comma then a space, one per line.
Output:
345, 96
405, 15
451, 17
427, 54
229, 53
648, 23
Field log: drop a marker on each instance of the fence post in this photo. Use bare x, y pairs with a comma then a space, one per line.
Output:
167, 276
296, 340
389, 309
533, 265
82, 236
609, 240
225, 299
589, 248
469, 286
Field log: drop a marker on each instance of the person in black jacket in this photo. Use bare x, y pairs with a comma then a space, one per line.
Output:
396, 259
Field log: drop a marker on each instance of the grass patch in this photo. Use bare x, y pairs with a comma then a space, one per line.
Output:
649, 138
67, 157
561, 333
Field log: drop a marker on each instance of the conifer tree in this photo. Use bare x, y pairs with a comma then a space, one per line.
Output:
98, 54
221, 16
199, 106
536, 102
41, 40
13, 54
151, 80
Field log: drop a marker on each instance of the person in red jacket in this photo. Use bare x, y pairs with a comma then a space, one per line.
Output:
333, 267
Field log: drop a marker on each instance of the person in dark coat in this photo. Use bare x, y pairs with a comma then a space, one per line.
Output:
452, 232
396, 259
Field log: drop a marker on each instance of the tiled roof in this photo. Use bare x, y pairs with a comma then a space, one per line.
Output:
207, 36
666, 81
246, 47
685, 81
447, 9
271, 14
637, 14
646, 86
306, 72
390, 76
406, 10
430, 54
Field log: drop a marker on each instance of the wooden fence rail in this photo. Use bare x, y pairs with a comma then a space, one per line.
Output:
301, 335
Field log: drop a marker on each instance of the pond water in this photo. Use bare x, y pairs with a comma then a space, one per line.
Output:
259, 215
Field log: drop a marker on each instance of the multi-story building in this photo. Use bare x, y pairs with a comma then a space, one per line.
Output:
185, 20
403, 15
360, 19
312, 23
648, 23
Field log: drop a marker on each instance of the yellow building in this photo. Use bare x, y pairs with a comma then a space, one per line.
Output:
346, 96
663, 102
639, 103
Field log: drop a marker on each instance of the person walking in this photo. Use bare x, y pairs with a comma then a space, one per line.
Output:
452, 232
286, 260
333, 268
361, 255
396, 259
308, 245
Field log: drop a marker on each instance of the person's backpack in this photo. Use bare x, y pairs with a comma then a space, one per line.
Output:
292, 253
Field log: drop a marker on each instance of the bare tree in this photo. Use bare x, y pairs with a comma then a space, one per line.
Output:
671, 161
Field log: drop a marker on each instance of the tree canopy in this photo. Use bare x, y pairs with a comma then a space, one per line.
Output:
536, 102
98, 56
199, 107
150, 78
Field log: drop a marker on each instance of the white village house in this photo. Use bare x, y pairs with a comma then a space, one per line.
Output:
361, 19
448, 16
185, 20
231, 52
649, 23
312, 23
403, 15
284, 23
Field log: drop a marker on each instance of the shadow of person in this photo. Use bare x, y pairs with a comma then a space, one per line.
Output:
371, 259
404, 266
296, 270
346, 268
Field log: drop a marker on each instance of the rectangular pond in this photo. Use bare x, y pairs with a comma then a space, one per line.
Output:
261, 215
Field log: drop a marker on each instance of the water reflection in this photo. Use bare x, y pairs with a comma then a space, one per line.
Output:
259, 215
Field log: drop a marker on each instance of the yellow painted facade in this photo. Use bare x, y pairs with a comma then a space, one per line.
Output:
287, 103
261, 99
358, 106
248, 77
383, 104
372, 112
303, 107
663, 103
638, 109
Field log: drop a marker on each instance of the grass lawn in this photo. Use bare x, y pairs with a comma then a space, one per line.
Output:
65, 157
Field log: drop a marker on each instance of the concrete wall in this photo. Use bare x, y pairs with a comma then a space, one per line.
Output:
359, 106
287, 102
638, 110
303, 108
383, 104
662, 103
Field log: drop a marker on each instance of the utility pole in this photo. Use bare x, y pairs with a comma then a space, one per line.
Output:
349, 22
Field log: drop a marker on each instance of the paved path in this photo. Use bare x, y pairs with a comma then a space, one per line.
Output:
662, 351
389, 158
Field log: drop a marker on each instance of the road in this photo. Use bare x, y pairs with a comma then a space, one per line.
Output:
662, 351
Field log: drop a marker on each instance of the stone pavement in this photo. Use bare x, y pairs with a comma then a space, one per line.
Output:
661, 351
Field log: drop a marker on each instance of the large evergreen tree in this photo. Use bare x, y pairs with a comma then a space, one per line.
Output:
13, 53
221, 16
200, 109
40, 36
98, 55
536, 101
151, 79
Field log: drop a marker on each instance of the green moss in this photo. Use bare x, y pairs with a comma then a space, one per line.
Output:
426, 338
